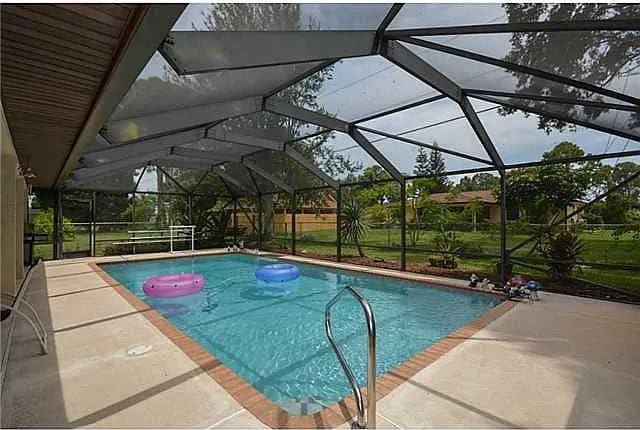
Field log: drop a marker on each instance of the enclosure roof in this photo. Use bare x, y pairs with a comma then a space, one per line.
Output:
55, 60
276, 98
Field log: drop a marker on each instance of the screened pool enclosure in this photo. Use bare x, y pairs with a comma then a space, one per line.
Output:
262, 123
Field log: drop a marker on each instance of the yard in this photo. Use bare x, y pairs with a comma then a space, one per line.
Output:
599, 247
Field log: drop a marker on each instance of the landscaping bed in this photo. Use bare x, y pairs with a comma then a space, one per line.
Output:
574, 287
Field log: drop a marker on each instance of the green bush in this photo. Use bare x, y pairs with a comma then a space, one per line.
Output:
562, 249
43, 223
305, 237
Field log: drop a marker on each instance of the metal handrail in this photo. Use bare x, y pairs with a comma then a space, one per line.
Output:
371, 359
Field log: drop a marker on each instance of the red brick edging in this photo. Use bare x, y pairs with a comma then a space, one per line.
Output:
270, 413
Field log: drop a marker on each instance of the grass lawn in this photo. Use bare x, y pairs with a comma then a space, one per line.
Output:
599, 247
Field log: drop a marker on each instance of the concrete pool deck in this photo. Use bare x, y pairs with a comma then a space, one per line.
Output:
560, 362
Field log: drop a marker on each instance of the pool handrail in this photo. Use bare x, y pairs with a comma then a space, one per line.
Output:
371, 359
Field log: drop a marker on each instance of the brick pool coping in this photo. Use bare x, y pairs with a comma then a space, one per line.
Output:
270, 413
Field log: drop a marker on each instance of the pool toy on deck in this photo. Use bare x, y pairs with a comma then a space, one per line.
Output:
175, 285
277, 273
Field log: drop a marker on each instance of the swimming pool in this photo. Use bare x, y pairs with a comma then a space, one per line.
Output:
273, 336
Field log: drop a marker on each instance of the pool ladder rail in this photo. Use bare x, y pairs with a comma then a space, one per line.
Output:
361, 422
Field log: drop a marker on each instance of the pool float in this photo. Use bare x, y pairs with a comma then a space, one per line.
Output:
176, 285
277, 273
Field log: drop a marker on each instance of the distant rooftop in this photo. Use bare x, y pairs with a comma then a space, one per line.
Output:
463, 197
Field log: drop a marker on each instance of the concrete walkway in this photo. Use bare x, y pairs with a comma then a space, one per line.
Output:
561, 362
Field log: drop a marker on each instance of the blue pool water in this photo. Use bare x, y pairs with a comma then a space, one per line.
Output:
273, 336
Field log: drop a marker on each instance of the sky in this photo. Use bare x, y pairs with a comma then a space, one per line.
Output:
366, 85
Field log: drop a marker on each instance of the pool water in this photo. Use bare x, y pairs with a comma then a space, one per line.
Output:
272, 335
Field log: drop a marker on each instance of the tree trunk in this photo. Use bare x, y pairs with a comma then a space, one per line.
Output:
358, 247
267, 219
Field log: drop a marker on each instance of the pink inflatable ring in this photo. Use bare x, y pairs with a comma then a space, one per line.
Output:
167, 286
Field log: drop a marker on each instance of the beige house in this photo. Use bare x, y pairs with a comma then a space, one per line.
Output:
491, 206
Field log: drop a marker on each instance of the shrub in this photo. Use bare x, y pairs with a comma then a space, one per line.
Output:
306, 237
448, 243
43, 223
562, 249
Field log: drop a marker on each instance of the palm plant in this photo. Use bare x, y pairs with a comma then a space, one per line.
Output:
562, 250
353, 225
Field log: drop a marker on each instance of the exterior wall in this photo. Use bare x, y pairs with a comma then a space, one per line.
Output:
12, 204
494, 214
305, 222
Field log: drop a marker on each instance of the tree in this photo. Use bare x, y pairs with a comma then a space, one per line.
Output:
547, 190
418, 191
375, 194
144, 208
615, 209
563, 183
422, 167
609, 176
478, 182
597, 57
436, 168
474, 208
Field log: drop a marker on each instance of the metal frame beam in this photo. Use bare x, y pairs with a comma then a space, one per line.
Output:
304, 162
386, 21
552, 99
504, 252
235, 50
284, 108
455, 172
374, 153
416, 66
187, 163
144, 169
128, 150
287, 109
185, 118
521, 27
149, 33
103, 169
273, 145
80, 183
520, 69
199, 154
257, 142
172, 179
426, 145
559, 117
584, 158
268, 176
302, 76
230, 179
401, 108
